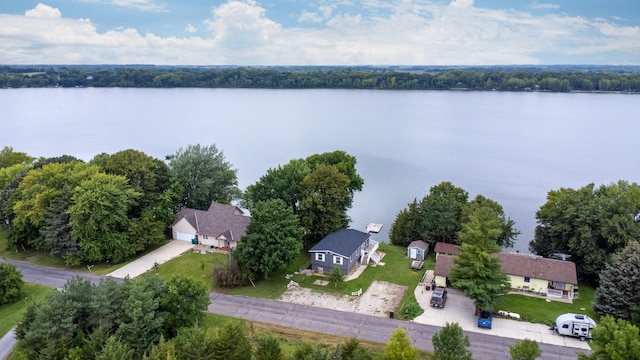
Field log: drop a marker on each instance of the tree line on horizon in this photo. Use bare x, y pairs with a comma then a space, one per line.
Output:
445, 78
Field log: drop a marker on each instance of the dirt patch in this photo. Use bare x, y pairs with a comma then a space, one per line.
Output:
379, 299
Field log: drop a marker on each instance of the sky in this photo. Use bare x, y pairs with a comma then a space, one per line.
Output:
320, 32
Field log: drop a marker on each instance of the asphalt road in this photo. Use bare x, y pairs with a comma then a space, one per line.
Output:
364, 327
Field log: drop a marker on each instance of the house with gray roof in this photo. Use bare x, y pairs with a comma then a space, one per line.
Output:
344, 248
220, 226
418, 250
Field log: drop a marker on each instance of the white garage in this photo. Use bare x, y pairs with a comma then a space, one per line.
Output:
184, 236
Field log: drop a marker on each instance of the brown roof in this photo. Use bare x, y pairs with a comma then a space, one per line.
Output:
537, 267
446, 248
444, 263
220, 219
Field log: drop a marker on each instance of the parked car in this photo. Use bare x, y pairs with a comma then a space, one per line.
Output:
439, 297
485, 319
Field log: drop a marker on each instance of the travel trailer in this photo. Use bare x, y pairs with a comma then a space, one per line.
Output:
575, 325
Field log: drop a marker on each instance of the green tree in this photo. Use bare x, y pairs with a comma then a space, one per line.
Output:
205, 176
11, 284
283, 182
508, 231
450, 343
99, 220
352, 350
325, 201
441, 213
195, 343
268, 348
114, 349
336, 276
163, 350
404, 229
183, 303
273, 239
476, 271
9, 157
37, 190
346, 165
614, 339
526, 349
618, 294
588, 223
140, 323
231, 343
399, 347
57, 231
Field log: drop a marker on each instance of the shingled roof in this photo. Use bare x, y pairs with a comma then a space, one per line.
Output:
537, 267
446, 248
342, 242
419, 244
219, 219
444, 263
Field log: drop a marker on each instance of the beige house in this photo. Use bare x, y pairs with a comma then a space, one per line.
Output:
221, 226
554, 279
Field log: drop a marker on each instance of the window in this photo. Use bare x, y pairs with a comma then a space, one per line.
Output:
565, 326
205, 237
319, 257
527, 279
337, 260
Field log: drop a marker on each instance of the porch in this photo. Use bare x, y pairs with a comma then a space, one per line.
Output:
370, 254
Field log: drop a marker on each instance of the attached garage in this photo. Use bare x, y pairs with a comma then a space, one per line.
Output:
184, 236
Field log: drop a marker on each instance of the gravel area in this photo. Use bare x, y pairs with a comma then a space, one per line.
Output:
379, 299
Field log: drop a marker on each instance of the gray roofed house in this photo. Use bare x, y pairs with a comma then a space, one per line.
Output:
418, 250
221, 226
344, 248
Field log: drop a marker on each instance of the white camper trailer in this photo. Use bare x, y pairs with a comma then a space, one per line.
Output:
576, 325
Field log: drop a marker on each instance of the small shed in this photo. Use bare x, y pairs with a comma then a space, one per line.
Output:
418, 250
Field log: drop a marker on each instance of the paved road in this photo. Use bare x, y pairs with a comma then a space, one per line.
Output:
364, 327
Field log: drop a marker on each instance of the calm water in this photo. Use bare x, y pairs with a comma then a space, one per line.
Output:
510, 147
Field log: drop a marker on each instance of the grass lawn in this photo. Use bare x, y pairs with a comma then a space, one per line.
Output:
43, 258
10, 314
538, 310
192, 265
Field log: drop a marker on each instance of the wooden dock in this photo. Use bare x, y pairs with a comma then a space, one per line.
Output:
373, 228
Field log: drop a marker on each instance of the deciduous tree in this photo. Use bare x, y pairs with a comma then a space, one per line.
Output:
614, 339
325, 201
11, 284
399, 347
526, 349
9, 157
273, 239
205, 176
589, 223
98, 217
450, 343
183, 303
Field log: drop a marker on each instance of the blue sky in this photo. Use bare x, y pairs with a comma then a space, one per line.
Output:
320, 32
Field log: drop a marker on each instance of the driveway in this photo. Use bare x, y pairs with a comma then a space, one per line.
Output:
161, 255
460, 309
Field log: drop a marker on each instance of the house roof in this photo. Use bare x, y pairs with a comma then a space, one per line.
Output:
537, 267
444, 263
343, 242
446, 248
419, 244
219, 219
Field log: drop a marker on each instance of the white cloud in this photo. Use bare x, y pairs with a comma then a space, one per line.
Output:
190, 29
403, 32
537, 5
143, 5
43, 11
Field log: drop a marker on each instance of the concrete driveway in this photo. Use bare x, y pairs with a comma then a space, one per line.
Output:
460, 309
161, 255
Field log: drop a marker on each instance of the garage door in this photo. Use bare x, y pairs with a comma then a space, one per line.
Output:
184, 236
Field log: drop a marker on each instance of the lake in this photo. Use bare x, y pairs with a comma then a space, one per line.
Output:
510, 147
